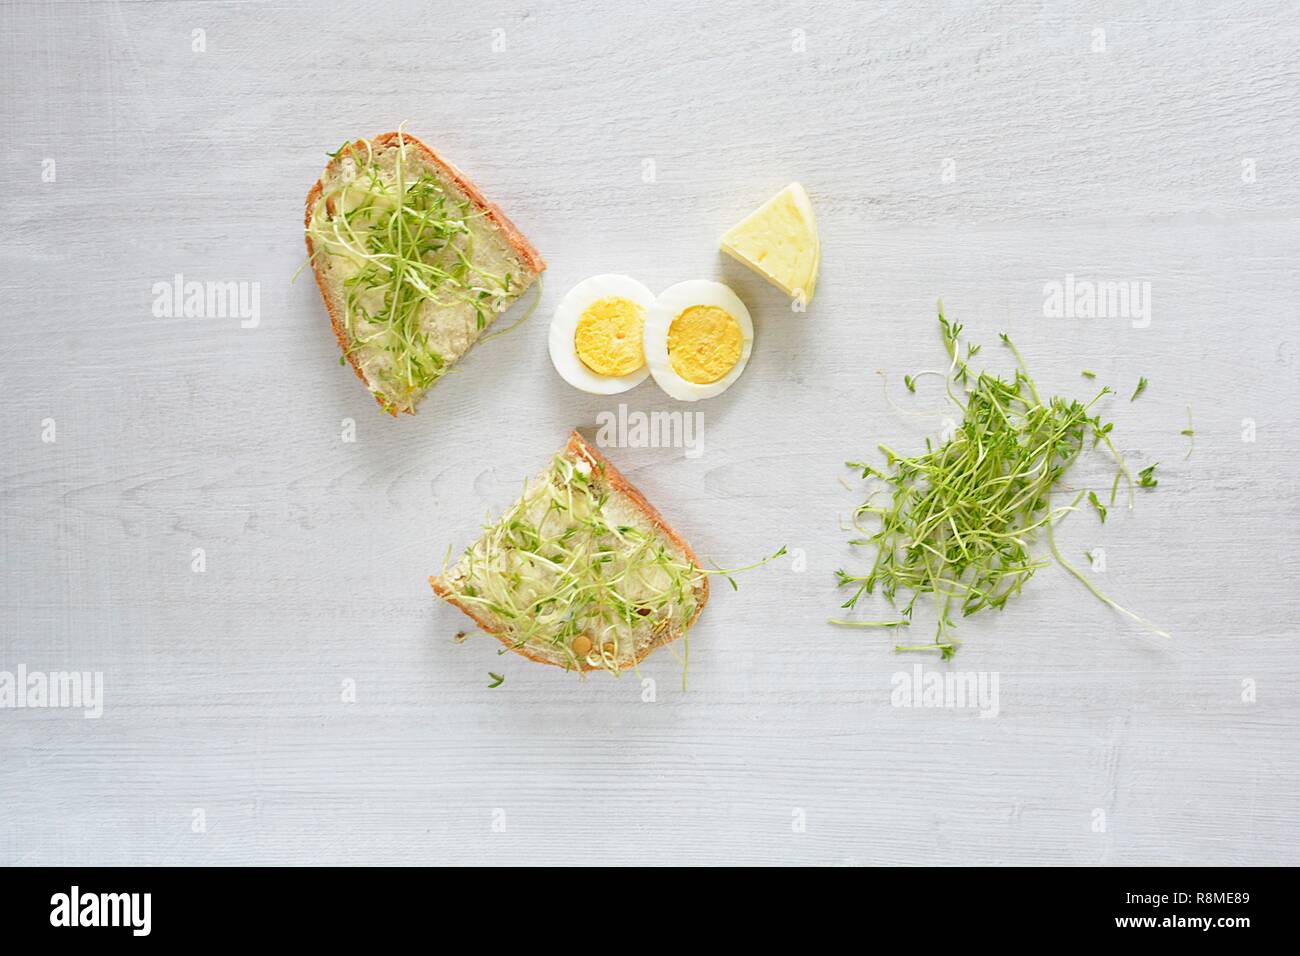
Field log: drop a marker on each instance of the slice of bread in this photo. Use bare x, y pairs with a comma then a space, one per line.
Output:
581, 572
407, 303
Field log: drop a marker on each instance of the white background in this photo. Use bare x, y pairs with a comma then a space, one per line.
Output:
223, 688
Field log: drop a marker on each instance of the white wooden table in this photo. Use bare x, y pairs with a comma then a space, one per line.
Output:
970, 151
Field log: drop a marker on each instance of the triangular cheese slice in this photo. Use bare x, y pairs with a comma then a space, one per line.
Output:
778, 240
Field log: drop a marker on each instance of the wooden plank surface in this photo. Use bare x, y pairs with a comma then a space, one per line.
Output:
969, 151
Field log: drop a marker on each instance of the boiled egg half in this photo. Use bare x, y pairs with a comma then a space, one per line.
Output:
597, 334
698, 337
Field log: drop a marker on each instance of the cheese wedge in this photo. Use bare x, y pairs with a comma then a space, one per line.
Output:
778, 240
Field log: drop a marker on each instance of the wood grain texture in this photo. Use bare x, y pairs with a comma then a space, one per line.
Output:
223, 688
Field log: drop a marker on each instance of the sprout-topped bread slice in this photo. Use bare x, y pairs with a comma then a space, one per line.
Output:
412, 261
581, 572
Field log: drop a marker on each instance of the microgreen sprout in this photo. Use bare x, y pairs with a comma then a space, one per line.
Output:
1088, 373
497, 679
963, 515
728, 572
1190, 433
901, 622
1141, 387
1146, 477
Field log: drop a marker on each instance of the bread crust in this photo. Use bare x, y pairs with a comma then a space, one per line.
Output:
527, 252
579, 447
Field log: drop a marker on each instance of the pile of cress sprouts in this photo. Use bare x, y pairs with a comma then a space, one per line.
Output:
962, 517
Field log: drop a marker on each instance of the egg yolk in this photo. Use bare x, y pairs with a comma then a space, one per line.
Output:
704, 343
608, 338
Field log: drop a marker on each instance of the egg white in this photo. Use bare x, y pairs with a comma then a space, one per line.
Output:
671, 303
564, 327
